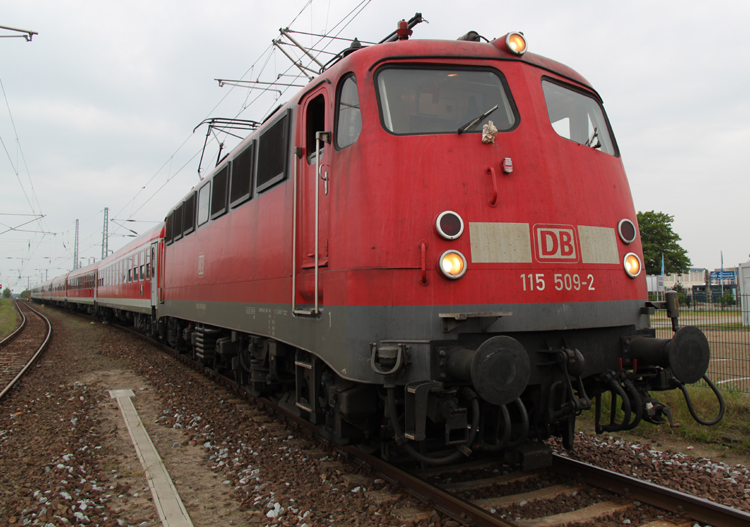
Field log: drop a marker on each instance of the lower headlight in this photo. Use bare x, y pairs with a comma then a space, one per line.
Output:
452, 264
632, 265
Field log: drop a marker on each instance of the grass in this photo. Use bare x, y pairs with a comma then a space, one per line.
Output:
730, 432
8, 317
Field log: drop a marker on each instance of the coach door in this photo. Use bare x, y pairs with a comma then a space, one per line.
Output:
152, 260
313, 173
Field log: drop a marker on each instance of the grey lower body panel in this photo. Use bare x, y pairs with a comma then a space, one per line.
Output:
127, 304
342, 335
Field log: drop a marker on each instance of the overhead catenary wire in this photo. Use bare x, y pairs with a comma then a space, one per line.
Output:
16, 169
174, 166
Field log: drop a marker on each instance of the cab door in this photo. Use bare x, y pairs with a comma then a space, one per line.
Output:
313, 139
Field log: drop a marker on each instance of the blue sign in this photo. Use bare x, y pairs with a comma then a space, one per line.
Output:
723, 275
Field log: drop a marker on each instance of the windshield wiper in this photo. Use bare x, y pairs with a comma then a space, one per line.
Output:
594, 137
471, 124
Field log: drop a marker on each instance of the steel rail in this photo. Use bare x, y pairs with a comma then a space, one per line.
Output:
38, 352
452, 505
16, 331
675, 501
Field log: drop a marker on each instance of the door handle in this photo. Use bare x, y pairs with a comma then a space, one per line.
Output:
324, 177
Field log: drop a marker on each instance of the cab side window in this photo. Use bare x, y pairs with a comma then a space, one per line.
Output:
348, 114
203, 202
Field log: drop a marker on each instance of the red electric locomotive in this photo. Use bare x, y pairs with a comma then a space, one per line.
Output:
432, 245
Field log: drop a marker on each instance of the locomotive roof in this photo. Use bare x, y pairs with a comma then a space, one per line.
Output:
445, 49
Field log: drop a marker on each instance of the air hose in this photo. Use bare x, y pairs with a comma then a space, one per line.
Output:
524, 425
692, 410
506, 432
636, 406
445, 460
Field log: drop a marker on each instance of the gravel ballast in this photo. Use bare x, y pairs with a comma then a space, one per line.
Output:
66, 457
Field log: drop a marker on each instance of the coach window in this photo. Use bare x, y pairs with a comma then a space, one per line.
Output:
148, 264
188, 215
219, 197
273, 148
143, 263
242, 171
578, 117
348, 115
203, 203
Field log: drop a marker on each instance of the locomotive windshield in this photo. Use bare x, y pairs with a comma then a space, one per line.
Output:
577, 117
434, 101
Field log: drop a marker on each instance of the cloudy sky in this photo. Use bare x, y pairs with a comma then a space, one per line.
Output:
98, 110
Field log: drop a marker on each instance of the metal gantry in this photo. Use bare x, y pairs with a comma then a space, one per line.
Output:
75, 250
105, 234
25, 33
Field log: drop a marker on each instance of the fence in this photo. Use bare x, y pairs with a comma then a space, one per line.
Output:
726, 323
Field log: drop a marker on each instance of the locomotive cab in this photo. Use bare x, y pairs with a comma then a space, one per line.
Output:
514, 295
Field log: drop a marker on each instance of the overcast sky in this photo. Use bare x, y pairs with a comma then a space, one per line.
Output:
99, 109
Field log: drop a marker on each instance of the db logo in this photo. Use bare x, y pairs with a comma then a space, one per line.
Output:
556, 243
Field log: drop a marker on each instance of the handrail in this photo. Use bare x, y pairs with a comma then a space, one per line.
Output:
491, 172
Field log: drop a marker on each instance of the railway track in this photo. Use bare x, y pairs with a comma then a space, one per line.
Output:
487, 493
566, 479
22, 347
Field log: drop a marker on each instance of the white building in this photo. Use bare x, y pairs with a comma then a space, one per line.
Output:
695, 276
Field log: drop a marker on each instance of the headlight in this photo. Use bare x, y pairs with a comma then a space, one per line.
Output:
626, 230
452, 264
632, 265
516, 43
449, 225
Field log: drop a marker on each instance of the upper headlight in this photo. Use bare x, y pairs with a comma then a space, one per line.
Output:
626, 230
516, 43
449, 225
